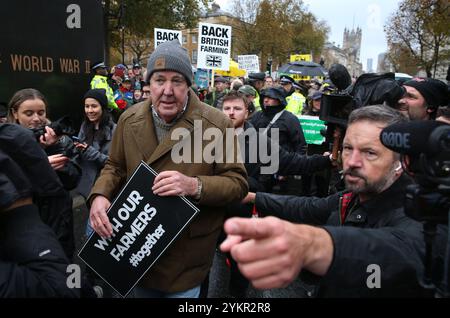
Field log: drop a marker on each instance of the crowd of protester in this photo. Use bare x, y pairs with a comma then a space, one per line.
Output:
321, 229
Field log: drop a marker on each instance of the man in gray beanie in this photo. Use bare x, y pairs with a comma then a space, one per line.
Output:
154, 131
170, 56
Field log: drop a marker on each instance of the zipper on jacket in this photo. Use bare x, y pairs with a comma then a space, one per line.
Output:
340, 210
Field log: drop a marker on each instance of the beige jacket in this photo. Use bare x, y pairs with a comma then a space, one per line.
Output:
186, 263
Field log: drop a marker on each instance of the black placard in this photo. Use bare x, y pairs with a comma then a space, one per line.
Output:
144, 224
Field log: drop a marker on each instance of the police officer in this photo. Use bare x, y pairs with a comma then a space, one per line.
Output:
295, 100
100, 81
256, 80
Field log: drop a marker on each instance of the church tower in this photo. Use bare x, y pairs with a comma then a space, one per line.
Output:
352, 42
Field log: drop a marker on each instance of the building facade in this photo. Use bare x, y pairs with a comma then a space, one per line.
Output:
348, 55
370, 66
214, 16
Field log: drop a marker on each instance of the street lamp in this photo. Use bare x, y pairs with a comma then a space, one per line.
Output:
269, 65
122, 28
122, 32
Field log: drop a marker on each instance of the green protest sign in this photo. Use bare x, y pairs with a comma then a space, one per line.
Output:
311, 126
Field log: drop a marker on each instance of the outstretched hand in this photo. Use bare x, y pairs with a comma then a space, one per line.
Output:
271, 252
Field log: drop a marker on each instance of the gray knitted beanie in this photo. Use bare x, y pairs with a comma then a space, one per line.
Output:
170, 56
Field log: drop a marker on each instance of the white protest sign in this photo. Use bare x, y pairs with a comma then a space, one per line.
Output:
214, 46
250, 63
164, 35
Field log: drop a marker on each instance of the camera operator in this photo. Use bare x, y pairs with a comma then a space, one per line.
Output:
32, 262
422, 98
28, 108
348, 234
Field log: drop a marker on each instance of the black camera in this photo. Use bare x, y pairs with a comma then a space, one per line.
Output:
425, 146
64, 130
62, 126
369, 89
336, 108
68, 146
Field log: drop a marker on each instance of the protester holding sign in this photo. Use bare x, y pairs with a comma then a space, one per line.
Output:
315, 184
151, 131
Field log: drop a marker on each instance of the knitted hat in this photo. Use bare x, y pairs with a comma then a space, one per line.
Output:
170, 56
99, 95
434, 92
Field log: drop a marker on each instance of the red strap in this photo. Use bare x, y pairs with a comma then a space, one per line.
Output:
346, 199
255, 213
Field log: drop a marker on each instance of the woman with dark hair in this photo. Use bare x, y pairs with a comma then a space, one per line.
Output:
94, 138
94, 141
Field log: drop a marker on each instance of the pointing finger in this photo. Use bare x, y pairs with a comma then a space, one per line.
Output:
252, 228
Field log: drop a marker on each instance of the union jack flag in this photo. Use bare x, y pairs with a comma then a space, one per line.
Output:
213, 60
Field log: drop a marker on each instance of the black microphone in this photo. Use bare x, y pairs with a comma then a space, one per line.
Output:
339, 76
411, 138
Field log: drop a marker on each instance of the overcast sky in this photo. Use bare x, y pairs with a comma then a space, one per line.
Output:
369, 15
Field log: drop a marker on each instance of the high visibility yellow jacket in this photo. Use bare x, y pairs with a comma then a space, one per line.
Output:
295, 103
100, 81
256, 102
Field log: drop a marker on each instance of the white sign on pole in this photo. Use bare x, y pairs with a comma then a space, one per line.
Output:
164, 35
250, 63
214, 46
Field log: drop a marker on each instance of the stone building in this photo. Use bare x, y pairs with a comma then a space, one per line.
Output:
348, 55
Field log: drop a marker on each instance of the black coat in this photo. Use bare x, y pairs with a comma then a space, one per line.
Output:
374, 232
290, 163
291, 136
24, 167
26, 172
32, 263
